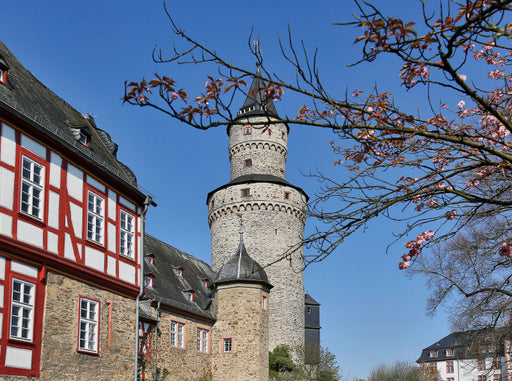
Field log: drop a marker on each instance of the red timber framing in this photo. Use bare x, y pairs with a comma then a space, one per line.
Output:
22, 289
57, 232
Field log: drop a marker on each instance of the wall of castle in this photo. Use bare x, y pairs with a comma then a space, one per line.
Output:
264, 144
272, 226
181, 358
242, 319
60, 359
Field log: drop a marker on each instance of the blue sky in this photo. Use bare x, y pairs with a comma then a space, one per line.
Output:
84, 51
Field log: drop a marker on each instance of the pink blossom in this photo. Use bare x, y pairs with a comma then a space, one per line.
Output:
403, 265
428, 234
451, 214
489, 46
140, 98
432, 203
463, 77
505, 250
496, 74
174, 96
461, 105
473, 183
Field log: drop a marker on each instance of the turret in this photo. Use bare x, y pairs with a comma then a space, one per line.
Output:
241, 332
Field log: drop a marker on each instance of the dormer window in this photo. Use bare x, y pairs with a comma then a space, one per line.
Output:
83, 138
179, 272
3, 72
205, 283
189, 295
449, 352
433, 354
151, 259
149, 281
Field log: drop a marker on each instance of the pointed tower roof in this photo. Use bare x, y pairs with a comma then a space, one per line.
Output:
242, 268
257, 103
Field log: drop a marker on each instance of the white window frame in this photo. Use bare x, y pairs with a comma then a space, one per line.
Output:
22, 310
95, 217
177, 334
227, 345
127, 234
149, 281
32, 188
203, 339
88, 325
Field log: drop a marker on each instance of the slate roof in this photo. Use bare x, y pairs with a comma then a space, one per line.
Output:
28, 99
169, 287
463, 344
308, 300
242, 268
257, 103
256, 178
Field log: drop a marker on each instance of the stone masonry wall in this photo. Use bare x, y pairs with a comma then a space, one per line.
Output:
185, 364
265, 145
60, 359
242, 318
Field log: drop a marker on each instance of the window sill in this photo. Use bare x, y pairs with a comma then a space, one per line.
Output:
33, 220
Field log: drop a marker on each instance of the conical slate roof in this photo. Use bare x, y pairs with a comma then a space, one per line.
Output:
257, 103
242, 268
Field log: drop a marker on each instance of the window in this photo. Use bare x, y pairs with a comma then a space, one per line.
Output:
3, 75
433, 366
246, 192
32, 182
247, 130
480, 364
482, 377
149, 281
497, 377
151, 259
177, 334
89, 318
450, 379
83, 138
247, 163
286, 195
449, 366
206, 283
449, 352
212, 203
264, 302
22, 310
179, 272
95, 218
127, 234
433, 354
283, 135
227, 345
189, 295
496, 363
202, 340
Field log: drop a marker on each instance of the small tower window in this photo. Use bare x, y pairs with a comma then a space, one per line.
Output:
227, 345
283, 135
264, 302
247, 163
179, 272
309, 310
247, 130
246, 192
287, 195
212, 203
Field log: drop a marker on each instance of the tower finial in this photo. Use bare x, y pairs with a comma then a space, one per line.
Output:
257, 52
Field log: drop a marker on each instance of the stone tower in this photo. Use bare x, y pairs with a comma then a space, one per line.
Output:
272, 211
241, 305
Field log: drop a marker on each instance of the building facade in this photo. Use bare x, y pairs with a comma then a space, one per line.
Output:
70, 239
481, 355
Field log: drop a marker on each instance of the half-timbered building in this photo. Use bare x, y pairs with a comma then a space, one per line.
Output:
70, 235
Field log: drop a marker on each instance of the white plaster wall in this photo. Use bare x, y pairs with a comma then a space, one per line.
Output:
8, 145
95, 183
126, 272
33, 146
76, 219
18, 358
53, 209
6, 188
30, 234
112, 205
112, 238
111, 266
75, 182
22, 268
2, 270
55, 169
53, 243
126, 203
5, 225
94, 259
68, 248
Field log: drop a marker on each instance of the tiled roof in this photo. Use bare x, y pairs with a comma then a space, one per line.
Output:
169, 286
29, 100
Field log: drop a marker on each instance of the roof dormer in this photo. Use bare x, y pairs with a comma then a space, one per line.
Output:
3, 72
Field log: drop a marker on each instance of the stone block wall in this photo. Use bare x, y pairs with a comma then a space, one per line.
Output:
60, 359
241, 317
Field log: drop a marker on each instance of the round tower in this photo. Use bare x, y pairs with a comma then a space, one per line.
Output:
272, 211
241, 332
